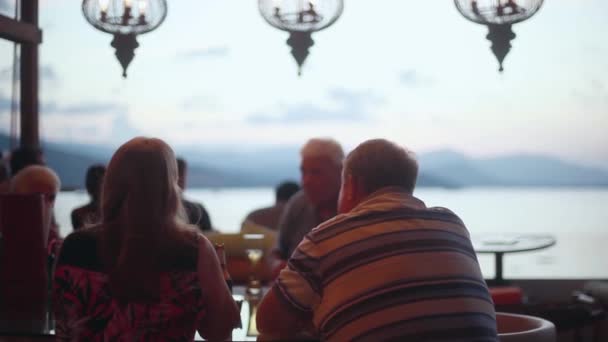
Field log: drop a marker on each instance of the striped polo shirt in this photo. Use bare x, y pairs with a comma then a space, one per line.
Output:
390, 269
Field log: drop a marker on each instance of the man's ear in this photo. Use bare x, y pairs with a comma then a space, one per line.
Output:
358, 190
349, 186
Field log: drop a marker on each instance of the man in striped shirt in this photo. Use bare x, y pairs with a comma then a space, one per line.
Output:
386, 268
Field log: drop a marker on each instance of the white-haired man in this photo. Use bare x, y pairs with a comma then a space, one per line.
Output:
386, 268
320, 167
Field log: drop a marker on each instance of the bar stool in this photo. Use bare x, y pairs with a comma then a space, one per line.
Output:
520, 328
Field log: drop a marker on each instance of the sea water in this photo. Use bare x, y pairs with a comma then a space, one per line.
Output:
577, 217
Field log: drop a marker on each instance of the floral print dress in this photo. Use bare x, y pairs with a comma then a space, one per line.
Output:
85, 310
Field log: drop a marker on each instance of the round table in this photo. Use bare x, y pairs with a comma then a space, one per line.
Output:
499, 244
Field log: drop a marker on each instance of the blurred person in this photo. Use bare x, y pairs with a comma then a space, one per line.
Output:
22, 157
269, 216
320, 167
197, 214
141, 274
386, 268
38, 179
90, 212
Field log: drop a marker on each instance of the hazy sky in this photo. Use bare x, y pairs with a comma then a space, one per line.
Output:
417, 72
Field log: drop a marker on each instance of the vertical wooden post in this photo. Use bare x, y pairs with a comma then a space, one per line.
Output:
29, 79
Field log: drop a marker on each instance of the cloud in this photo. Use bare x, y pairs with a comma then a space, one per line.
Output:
45, 72
593, 92
412, 78
597, 84
84, 108
350, 106
302, 113
353, 98
198, 102
208, 52
123, 129
92, 122
100, 129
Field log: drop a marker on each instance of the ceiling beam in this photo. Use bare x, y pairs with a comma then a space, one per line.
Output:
18, 31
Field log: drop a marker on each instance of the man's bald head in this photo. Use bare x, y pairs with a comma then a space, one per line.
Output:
36, 179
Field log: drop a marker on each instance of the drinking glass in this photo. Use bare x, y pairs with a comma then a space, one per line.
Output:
255, 252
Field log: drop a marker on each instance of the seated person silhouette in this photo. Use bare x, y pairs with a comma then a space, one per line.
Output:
26, 266
320, 168
269, 217
142, 273
23, 157
89, 214
38, 179
195, 212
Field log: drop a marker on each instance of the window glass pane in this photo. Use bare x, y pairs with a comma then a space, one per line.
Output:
6, 91
522, 151
7, 7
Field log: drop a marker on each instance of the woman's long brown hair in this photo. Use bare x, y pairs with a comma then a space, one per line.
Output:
140, 221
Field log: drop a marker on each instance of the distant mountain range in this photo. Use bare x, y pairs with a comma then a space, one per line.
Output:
512, 170
249, 166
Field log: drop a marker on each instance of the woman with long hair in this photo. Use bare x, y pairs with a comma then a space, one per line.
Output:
142, 274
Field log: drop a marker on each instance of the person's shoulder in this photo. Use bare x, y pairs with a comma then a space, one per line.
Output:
79, 210
298, 201
83, 237
80, 248
259, 212
333, 227
205, 250
445, 213
85, 209
353, 219
189, 202
298, 196
192, 206
296, 208
181, 252
443, 210
204, 245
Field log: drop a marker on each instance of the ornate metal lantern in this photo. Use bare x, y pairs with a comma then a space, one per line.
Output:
300, 18
125, 19
498, 15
